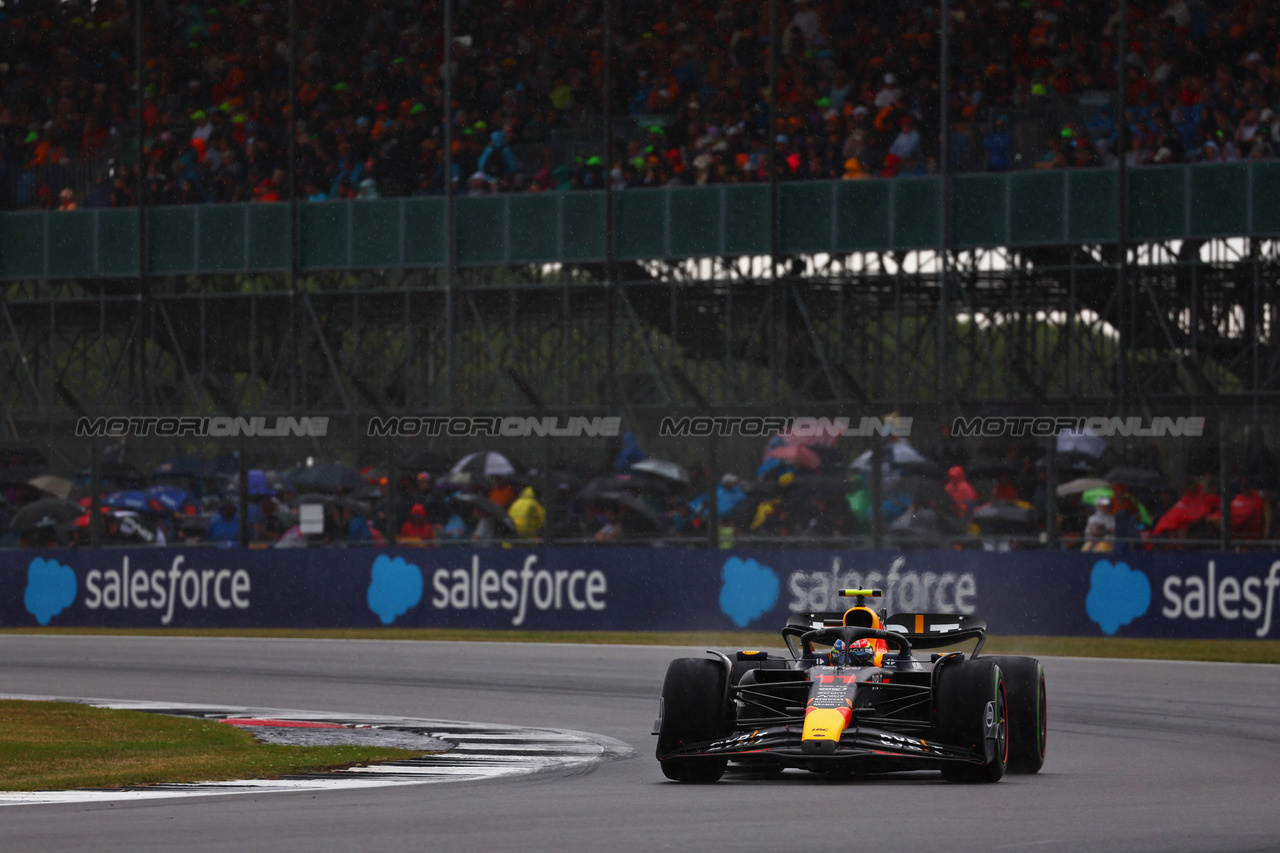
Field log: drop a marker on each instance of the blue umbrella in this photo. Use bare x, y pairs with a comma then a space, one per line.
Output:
258, 484
136, 501
173, 499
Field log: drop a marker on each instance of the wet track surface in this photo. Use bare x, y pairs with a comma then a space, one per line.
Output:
1142, 756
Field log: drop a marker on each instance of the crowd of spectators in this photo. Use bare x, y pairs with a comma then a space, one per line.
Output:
802, 492
858, 93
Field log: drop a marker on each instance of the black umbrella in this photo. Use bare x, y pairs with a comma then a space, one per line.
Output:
613, 483
487, 507
634, 504
48, 512
1003, 517
662, 469
480, 466
328, 477
1136, 478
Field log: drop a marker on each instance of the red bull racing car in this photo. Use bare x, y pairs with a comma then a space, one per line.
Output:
853, 697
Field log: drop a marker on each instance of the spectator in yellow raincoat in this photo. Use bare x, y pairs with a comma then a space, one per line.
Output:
528, 514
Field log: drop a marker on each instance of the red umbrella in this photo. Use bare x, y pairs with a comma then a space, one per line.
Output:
796, 454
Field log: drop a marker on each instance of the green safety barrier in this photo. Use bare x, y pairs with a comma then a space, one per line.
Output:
1012, 209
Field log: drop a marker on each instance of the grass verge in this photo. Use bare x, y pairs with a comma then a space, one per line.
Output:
1244, 651
46, 746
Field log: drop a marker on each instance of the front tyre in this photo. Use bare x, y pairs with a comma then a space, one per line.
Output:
1028, 712
694, 710
973, 712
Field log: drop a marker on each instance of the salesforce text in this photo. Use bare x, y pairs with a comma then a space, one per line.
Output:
510, 590
161, 590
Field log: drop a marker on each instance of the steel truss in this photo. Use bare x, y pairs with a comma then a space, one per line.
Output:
1034, 330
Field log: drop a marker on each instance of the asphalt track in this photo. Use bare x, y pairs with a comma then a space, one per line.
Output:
1142, 756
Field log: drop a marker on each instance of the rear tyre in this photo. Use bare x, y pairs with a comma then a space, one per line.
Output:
693, 710
973, 712
1028, 712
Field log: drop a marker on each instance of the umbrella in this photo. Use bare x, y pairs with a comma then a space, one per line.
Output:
487, 507
327, 477
923, 520
48, 512
485, 463
1081, 441
1091, 496
177, 501
1082, 485
894, 453
611, 483
1003, 517
1136, 478
135, 501
795, 454
636, 506
663, 469
51, 485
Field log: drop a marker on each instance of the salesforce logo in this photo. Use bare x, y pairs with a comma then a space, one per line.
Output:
748, 590
1117, 595
51, 589
394, 587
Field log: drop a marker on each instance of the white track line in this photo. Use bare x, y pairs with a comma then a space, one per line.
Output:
479, 751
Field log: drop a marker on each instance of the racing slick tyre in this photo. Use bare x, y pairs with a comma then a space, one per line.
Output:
694, 709
1028, 712
973, 711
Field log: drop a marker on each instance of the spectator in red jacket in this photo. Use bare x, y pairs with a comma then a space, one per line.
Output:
416, 526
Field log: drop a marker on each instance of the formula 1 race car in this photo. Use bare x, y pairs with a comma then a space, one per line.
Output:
853, 698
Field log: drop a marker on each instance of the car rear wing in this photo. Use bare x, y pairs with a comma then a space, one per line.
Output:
935, 630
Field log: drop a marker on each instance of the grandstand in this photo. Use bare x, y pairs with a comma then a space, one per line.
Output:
612, 238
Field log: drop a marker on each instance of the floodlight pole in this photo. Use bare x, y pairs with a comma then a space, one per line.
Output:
450, 237
944, 197
1124, 309
291, 144
610, 272
140, 127
772, 138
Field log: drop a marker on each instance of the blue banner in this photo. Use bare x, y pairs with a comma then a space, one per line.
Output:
634, 589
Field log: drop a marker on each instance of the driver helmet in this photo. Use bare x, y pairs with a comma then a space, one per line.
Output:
861, 653
836, 656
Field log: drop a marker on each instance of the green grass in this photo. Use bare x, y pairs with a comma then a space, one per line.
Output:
1246, 651
47, 746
